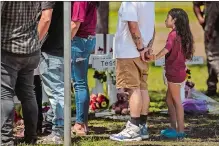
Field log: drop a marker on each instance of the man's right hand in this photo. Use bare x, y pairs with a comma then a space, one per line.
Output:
146, 54
142, 55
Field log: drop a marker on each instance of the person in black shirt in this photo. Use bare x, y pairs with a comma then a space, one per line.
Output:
52, 73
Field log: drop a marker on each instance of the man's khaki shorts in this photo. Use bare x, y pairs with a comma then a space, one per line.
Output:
131, 73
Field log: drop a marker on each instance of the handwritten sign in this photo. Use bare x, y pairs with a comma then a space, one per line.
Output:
97, 57
103, 63
195, 60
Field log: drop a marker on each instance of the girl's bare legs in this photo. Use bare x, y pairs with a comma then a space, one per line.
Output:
175, 92
171, 109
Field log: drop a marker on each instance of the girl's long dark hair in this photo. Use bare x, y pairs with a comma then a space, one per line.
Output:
183, 30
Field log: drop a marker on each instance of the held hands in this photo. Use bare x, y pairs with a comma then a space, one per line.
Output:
147, 55
152, 57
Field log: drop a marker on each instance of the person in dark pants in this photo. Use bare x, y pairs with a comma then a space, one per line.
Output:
38, 93
209, 20
20, 55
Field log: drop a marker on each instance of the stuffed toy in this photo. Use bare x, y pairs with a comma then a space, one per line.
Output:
189, 87
98, 102
122, 105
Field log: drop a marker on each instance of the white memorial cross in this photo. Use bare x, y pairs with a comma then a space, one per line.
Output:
98, 55
105, 62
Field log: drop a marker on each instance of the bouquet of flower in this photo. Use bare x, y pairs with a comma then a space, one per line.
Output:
113, 77
100, 76
98, 102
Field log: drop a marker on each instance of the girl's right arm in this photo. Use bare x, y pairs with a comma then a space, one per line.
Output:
163, 52
168, 47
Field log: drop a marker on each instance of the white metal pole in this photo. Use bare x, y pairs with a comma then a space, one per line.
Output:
67, 73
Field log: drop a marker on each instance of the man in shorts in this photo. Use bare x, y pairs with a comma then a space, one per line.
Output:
134, 38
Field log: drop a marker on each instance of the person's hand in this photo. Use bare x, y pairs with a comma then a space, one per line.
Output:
201, 21
149, 56
142, 55
152, 57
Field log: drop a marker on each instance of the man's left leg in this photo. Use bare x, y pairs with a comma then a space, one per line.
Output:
52, 75
144, 67
25, 92
38, 94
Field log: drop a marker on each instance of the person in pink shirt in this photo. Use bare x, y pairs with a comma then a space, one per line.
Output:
179, 48
83, 30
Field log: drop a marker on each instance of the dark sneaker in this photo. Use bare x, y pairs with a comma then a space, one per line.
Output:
210, 93
144, 131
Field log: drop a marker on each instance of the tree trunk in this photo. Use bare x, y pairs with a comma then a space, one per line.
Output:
103, 20
103, 17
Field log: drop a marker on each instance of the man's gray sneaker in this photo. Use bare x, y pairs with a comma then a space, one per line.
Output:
130, 133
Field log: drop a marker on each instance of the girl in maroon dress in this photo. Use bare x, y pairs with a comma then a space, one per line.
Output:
179, 48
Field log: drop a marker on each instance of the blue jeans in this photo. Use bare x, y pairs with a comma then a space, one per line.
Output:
52, 75
81, 50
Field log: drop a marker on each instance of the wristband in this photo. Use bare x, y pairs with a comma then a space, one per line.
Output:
140, 50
